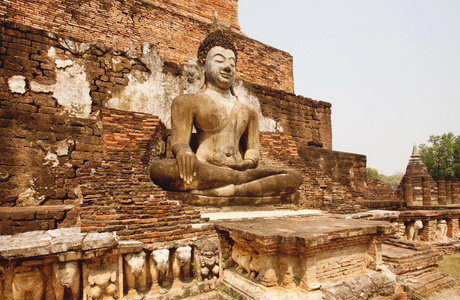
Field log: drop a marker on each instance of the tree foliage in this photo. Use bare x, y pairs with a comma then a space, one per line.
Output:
391, 180
372, 173
442, 158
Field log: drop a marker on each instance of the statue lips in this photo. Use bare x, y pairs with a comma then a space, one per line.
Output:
226, 75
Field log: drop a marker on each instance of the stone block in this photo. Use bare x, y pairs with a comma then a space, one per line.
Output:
25, 245
94, 241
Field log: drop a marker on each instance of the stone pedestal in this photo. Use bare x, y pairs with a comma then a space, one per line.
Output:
304, 252
210, 201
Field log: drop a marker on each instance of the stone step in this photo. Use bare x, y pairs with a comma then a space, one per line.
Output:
402, 243
406, 260
428, 282
418, 272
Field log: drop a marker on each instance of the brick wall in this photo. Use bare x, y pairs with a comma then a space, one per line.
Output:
42, 156
307, 120
25, 52
335, 180
203, 10
378, 190
34, 56
380, 196
67, 170
175, 28
117, 191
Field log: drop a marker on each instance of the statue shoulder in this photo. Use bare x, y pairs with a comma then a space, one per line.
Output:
187, 101
251, 111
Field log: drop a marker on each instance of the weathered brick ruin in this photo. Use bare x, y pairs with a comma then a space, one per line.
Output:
418, 185
54, 77
85, 92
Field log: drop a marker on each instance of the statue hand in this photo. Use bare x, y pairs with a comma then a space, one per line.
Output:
241, 166
187, 164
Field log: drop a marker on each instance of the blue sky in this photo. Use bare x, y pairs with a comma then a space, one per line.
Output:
390, 68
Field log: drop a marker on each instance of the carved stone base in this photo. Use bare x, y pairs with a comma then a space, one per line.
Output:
199, 200
302, 252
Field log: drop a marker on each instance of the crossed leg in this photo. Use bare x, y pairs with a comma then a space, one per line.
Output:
222, 181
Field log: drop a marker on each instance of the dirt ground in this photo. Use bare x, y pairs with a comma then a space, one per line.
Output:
446, 294
450, 265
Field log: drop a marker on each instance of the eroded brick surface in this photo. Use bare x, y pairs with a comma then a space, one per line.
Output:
175, 27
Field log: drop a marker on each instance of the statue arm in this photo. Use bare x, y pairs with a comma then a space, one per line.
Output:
182, 115
251, 139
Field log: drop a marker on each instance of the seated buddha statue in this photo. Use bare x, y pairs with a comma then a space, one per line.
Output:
226, 161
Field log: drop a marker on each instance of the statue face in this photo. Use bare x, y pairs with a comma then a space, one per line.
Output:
220, 67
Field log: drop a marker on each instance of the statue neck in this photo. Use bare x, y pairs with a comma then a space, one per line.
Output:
224, 93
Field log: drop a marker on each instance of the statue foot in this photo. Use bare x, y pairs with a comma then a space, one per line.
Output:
224, 191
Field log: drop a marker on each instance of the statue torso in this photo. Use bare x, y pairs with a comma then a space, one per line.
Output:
220, 123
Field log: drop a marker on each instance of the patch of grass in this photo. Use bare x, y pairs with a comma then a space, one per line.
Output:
416, 297
223, 289
451, 266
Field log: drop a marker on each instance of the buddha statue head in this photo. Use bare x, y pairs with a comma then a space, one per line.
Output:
217, 55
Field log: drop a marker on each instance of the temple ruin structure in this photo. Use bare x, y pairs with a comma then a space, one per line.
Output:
86, 89
436, 190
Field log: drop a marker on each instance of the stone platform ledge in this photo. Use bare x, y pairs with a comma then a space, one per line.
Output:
303, 231
199, 200
413, 212
438, 207
269, 214
65, 241
29, 212
245, 208
386, 215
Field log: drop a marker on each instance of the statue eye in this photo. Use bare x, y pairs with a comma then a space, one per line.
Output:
219, 58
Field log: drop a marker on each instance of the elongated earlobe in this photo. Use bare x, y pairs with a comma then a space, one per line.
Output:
202, 79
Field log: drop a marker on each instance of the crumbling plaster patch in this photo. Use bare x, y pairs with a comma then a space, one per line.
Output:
28, 195
17, 84
244, 96
51, 158
147, 92
61, 148
71, 90
154, 92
